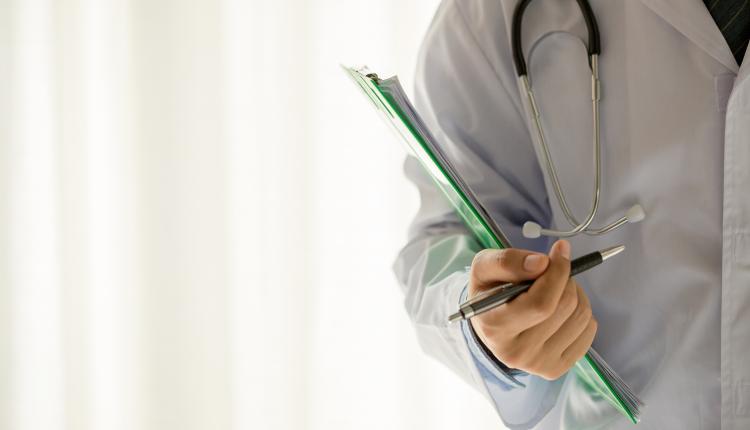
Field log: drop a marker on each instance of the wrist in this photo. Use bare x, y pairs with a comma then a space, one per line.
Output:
496, 361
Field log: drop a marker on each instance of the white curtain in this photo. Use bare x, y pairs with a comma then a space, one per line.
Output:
198, 213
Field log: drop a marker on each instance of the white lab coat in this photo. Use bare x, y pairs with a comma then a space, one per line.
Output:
674, 310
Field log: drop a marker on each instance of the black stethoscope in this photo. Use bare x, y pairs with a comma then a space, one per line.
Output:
530, 228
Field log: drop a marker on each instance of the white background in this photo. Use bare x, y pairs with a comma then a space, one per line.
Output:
198, 213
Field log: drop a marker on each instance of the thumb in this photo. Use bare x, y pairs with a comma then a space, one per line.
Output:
496, 266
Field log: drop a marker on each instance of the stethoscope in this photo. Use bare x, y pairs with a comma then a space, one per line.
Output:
532, 229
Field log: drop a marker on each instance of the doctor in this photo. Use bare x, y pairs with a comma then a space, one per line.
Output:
672, 314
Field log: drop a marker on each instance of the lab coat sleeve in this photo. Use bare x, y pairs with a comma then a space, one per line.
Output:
471, 107
492, 370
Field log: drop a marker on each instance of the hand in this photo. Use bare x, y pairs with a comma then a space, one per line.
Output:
543, 331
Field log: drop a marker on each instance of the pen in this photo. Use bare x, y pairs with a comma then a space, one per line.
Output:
496, 296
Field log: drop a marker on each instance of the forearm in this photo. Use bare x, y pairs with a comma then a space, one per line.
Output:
432, 273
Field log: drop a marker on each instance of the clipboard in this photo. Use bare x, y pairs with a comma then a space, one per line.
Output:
390, 100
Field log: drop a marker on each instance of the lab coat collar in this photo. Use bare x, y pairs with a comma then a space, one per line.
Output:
692, 19
744, 72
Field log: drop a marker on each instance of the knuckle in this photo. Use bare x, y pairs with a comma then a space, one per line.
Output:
516, 357
585, 314
541, 309
511, 363
479, 256
492, 341
582, 314
491, 336
476, 262
511, 359
534, 370
537, 363
479, 269
490, 324
568, 360
569, 301
503, 259
571, 359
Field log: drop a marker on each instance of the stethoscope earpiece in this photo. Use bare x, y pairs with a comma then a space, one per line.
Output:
531, 230
634, 214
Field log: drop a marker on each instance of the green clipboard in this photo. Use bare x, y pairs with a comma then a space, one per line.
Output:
391, 102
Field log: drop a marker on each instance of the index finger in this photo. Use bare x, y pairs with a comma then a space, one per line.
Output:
495, 266
540, 300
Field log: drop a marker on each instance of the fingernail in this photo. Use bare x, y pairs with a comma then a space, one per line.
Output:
563, 248
533, 262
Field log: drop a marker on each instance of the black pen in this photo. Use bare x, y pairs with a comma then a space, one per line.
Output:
496, 296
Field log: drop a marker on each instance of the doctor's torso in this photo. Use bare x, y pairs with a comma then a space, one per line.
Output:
674, 310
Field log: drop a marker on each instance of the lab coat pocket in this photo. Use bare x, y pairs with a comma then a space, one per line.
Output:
561, 80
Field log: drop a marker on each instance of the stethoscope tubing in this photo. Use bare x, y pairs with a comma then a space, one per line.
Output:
594, 42
532, 229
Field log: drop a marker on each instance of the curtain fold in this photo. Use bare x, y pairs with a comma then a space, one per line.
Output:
198, 215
